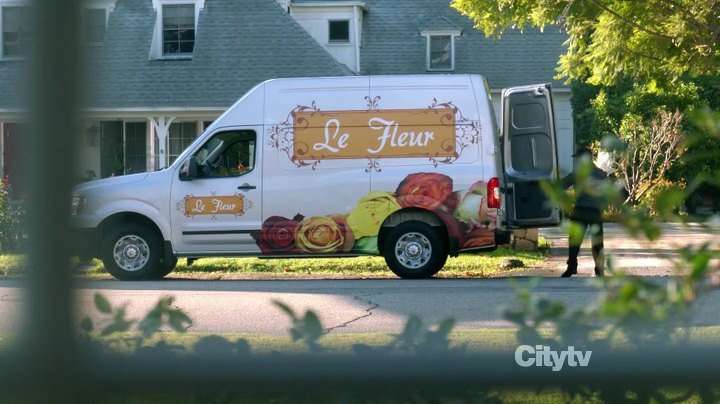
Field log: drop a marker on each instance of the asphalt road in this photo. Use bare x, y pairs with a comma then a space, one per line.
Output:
344, 306
383, 305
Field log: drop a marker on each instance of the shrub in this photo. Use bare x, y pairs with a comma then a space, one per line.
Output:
11, 215
654, 190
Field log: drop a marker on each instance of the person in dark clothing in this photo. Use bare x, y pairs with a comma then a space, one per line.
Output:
587, 214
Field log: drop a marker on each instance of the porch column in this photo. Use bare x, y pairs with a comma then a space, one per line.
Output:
161, 126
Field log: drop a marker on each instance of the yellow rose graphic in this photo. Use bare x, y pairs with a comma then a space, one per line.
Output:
370, 212
324, 234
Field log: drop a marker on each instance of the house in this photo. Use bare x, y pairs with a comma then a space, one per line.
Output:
159, 71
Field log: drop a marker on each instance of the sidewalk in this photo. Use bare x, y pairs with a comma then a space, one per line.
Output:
635, 256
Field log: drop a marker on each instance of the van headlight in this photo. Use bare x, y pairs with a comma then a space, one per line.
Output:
78, 203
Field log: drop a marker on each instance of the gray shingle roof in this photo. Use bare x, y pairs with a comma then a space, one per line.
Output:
440, 23
392, 44
241, 43
238, 44
12, 85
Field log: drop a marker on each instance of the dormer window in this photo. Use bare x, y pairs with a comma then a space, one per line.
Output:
15, 32
440, 53
339, 31
175, 28
178, 29
440, 50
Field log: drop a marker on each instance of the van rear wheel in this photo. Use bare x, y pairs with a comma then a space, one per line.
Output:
164, 269
415, 250
131, 252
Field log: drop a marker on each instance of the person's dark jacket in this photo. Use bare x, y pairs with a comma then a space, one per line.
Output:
584, 201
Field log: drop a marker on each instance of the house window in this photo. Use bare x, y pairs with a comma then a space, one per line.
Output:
180, 136
15, 35
339, 31
94, 20
123, 148
135, 147
178, 29
440, 52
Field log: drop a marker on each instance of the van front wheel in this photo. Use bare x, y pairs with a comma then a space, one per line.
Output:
414, 250
131, 252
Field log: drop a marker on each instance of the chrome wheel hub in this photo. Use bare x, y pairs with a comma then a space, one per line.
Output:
413, 250
131, 253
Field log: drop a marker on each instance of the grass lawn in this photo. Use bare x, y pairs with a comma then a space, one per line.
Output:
482, 265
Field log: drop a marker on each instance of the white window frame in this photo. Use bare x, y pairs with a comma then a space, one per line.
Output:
156, 51
3, 5
428, 35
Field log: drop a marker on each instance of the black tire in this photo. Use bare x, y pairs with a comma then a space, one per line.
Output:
415, 250
132, 252
164, 269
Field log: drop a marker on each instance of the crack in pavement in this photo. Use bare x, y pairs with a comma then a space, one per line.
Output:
368, 311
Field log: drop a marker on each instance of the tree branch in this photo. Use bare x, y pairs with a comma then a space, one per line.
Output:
629, 21
691, 17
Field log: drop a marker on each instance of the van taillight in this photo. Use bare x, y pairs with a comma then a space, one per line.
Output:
493, 193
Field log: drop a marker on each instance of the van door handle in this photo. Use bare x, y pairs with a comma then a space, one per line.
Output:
246, 186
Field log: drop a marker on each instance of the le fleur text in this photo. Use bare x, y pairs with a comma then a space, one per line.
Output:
388, 136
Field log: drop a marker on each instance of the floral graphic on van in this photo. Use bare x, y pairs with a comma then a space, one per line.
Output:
324, 234
369, 214
425, 190
468, 220
278, 235
310, 135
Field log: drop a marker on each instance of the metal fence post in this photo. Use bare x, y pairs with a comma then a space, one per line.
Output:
54, 87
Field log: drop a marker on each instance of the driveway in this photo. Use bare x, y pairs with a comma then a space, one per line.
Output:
634, 255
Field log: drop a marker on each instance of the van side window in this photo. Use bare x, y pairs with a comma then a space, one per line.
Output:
227, 154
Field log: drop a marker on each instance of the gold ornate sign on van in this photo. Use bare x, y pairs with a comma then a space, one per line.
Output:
214, 205
321, 135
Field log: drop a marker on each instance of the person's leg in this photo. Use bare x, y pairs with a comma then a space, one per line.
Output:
596, 236
575, 239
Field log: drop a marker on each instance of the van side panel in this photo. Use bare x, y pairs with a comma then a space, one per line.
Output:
303, 191
343, 155
452, 186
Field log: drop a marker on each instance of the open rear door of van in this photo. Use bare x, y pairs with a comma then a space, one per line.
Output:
529, 156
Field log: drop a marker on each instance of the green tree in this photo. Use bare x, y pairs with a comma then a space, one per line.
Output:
608, 39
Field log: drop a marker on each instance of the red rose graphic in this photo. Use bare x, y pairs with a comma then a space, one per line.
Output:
455, 229
480, 237
424, 190
277, 235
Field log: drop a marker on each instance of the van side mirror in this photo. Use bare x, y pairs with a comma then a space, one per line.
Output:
189, 169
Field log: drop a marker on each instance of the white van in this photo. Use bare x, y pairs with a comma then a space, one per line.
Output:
412, 168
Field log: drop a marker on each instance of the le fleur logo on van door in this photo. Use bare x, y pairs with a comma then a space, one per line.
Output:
214, 205
310, 135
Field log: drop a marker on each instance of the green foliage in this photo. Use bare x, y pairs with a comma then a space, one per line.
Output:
582, 95
306, 328
616, 108
163, 315
12, 213
417, 339
639, 310
654, 39
663, 199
